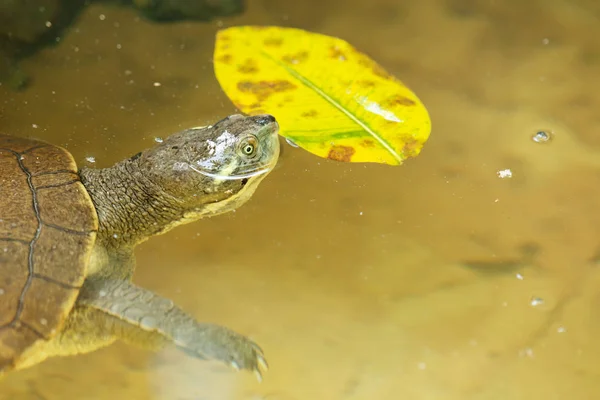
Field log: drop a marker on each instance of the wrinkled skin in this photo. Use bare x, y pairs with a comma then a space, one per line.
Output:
192, 174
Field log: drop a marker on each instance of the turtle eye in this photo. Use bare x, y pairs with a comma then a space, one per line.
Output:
248, 146
249, 149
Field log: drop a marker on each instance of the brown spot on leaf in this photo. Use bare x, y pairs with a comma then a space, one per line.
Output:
375, 68
398, 100
337, 54
248, 67
273, 42
381, 72
264, 89
225, 59
310, 114
365, 61
296, 58
411, 148
238, 105
367, 143
341, 153
252, 109
365, 84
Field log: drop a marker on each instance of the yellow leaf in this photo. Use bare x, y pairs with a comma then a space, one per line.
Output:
328, 98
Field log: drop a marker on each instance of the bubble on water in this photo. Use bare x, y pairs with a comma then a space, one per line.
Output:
422, 366
561, 329
43, 321
519, 277
504, 174
115, 235
291, 142
1, 292
527, 352
542, 136
157, 84
158, 140
48, 24
536, 301
34, 126
102, 17
90, 159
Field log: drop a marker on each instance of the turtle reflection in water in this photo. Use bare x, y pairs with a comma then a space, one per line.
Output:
67, 238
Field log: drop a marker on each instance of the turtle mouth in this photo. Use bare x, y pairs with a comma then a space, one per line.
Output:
239, 175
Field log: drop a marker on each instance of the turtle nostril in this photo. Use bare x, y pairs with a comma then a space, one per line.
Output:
265, 119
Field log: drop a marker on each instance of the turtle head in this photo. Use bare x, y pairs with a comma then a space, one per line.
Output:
215, 169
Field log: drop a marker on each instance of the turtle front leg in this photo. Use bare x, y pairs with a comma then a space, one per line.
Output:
141, 317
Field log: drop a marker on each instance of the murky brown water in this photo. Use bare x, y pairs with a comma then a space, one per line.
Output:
360, 281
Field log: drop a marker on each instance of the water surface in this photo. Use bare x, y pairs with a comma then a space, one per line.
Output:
360, 281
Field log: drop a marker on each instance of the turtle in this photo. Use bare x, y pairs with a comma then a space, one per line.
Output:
67, 237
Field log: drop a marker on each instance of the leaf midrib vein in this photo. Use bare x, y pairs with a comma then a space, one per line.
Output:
334, 103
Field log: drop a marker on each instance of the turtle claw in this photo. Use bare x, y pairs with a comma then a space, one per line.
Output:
251, 358
233, 349
258, 375
213, 342
262, 363
257, 348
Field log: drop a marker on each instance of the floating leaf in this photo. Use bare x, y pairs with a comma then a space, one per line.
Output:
329, 99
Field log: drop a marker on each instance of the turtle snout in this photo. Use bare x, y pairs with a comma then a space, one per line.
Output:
264, 120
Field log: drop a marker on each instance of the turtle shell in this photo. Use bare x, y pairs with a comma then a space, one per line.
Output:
48, 226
